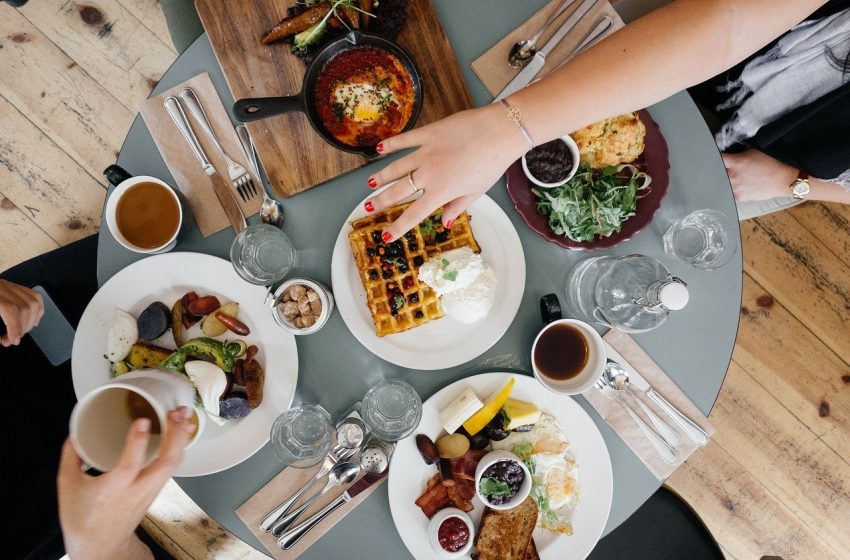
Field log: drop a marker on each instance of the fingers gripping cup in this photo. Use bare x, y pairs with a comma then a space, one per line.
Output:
101, 419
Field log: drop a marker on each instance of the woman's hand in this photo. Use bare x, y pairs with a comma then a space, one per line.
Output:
99, 515
458, 159
21, 309
757, 176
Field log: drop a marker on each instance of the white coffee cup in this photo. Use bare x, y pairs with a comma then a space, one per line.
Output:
101, 419
112, 207
589, 374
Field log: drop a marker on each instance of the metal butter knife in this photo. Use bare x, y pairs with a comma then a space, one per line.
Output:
222, 190
532, 68
688, 426
291, 537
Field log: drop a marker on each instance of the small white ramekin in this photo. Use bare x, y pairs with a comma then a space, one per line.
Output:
434, 528
492, 458
573, 148
325, 296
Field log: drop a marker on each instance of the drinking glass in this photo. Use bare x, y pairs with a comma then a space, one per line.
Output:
391, 409
701, 239
262, 254
301, 436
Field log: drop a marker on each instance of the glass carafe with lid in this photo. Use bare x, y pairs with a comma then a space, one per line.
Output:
632, 293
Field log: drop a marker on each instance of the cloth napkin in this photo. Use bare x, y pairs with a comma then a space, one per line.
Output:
492, 67
623, 349
184, 166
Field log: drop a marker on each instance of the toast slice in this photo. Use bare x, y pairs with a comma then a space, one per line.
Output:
531, 551
506, 534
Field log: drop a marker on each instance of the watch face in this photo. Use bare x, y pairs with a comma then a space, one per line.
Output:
801, 188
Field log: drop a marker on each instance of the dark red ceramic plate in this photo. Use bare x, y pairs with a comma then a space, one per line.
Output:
654, 161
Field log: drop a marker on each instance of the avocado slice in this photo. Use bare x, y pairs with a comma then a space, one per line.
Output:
203, 347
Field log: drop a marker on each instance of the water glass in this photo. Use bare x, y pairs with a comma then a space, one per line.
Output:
391, 409
701, 239
302, 436
262, 254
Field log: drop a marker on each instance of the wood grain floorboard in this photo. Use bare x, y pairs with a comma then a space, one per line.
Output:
773, 482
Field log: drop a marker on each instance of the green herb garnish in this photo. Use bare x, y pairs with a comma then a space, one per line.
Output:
445, 262
594, 202
399, 302
450, 276
492, 487
523, 451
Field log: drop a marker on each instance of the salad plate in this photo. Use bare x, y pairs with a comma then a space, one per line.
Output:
654, 161
167, 278
593, 479
445, 342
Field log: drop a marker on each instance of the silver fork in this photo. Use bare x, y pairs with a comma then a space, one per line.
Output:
667, 452
239, 176
336, 453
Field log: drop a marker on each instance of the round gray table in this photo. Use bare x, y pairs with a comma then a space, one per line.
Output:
694, 346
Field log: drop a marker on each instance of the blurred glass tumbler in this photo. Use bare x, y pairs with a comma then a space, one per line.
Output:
391, 409
701, 239
262, 254
301, 436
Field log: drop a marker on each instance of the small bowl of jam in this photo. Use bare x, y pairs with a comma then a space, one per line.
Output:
502, 481
551, 164
451, 533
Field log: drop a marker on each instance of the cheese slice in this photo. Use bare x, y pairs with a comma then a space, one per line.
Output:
520, 413
459, 410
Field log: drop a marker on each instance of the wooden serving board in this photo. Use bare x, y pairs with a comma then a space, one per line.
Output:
294, 156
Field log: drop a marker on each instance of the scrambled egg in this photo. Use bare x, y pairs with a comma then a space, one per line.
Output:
555, 472
611, 142
363, 102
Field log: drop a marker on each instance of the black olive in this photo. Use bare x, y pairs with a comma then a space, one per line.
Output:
418, 260
479, 441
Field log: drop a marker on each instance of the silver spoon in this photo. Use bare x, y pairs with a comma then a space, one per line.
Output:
341, 474
618, 378
524, 50
271, 212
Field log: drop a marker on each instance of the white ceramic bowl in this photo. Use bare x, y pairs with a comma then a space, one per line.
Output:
492, 458
596, 359
112, 206
325, 296
434, 527
573, 148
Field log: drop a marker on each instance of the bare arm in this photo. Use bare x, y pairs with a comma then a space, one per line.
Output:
461, 157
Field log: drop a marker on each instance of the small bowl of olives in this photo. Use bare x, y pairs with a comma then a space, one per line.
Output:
502, 481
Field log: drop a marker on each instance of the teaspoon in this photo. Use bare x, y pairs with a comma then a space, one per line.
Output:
271, 212
524, 50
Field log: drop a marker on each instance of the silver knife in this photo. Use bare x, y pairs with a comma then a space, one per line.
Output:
594, 36
693, 431
222, 191
291, 537
536, 64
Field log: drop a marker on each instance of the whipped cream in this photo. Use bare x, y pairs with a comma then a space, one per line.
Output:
465, 284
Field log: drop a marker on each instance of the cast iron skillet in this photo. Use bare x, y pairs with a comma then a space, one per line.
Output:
257, 108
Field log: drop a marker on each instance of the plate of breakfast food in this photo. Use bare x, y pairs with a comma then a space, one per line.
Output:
190, 313
500, 467
436, 297
621, 179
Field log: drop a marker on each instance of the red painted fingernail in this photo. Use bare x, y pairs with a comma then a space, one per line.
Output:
387, 237
369, 206
372, 182
450, 224
380, 147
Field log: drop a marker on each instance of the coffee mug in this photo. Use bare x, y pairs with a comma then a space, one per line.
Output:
123, 182
101, 419
571, 356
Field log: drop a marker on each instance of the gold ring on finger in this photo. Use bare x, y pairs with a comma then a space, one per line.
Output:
413, 184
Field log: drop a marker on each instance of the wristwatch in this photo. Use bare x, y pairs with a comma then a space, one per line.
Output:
800, 187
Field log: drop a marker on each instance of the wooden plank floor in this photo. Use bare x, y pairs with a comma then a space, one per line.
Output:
774, 481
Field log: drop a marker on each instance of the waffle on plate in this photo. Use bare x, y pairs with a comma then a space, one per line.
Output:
389, 271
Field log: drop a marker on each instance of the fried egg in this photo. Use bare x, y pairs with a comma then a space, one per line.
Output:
362, 101
555, 472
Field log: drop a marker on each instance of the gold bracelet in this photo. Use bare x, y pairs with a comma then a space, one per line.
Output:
515, 115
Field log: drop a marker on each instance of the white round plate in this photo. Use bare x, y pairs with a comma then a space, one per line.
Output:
443, 343
409, 473
167, 278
